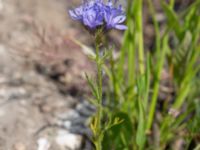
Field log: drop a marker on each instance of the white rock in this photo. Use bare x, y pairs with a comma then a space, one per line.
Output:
68, 140
43, 144
1, 5
67, 124
2, 112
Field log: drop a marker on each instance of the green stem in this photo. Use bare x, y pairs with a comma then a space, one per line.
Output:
140, 37
172, 2
156, 25
98, 139
158, 39
120, 72
161, 52
131, 65
157, 84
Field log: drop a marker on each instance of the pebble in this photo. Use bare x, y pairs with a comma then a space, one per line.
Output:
2, 112
68, 140
43, 144
19, 146
1, 5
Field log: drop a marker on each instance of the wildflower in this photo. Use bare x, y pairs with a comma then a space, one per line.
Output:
89, 13
77, 13
95, 13
114, 16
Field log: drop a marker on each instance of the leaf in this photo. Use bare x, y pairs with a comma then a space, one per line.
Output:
92, 86
118, 137
172, 19
182, 51
140, 135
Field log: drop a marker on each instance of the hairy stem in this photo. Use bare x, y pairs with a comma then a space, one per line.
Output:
98, 138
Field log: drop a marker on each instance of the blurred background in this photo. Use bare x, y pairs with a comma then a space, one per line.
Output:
41, 70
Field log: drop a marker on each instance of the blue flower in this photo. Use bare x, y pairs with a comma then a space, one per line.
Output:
77, 13
89, 13
95, 13
114, 17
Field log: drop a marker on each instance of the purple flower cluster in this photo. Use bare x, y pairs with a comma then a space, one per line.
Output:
95, 13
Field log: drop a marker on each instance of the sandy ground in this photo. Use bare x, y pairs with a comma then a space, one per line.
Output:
41, 74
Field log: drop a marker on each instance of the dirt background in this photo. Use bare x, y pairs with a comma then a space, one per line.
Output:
41, 75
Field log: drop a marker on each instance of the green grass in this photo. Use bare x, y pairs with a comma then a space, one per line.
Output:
131, 119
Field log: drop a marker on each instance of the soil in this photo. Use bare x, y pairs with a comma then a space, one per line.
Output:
41, 73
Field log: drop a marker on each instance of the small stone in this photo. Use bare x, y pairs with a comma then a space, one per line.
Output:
84, 110
46, 108
19, 146
1, 5
43, 144
68, 140
2, 112
69, 114
67, 124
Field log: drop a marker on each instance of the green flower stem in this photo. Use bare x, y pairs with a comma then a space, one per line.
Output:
98, 137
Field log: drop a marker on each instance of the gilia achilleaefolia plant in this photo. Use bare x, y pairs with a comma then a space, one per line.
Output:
99, 17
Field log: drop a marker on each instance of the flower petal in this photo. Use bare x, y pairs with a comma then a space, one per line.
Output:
121, 27
119, 19
72, 14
